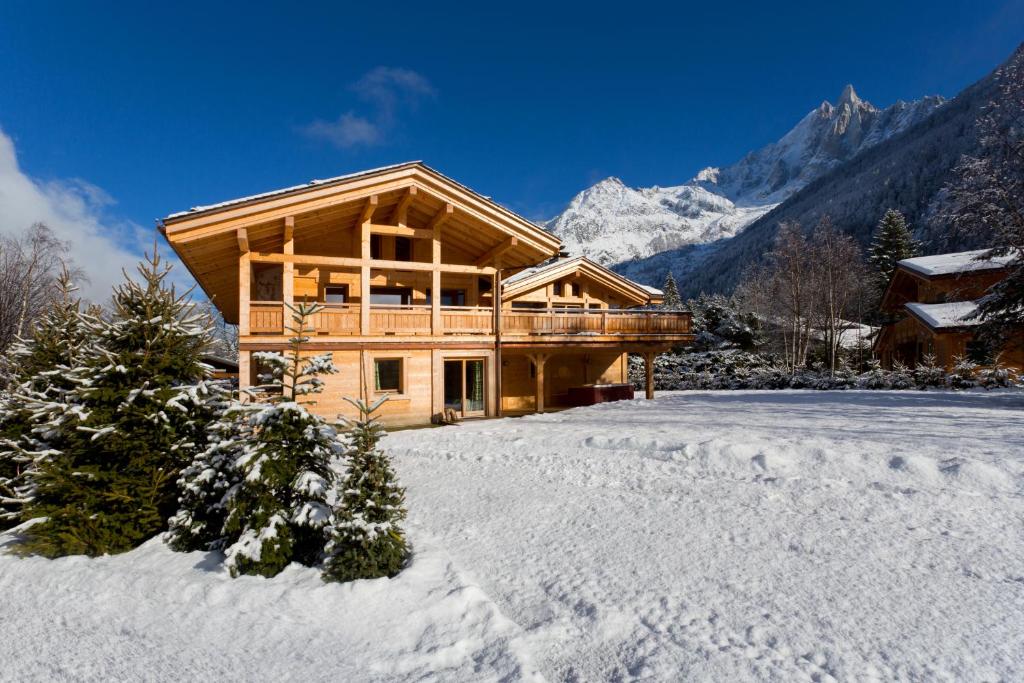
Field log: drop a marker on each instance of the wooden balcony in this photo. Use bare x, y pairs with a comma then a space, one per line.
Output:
562, 321
268, 318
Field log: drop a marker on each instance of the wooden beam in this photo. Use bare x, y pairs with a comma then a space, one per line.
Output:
288, 269
364, 274
401, 231
243, 240
435, 278
368, 209
349, 262
441, 216
497, 251
244, 271
402, 208
539, 361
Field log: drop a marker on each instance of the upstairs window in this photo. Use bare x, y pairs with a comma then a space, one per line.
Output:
390, 296
403, 249
376, 246
575, 288
336, 294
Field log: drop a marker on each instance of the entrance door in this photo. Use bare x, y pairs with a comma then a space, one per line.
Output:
464, 386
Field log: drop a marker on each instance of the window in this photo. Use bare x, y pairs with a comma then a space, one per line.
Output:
453, 297
575, 288
528, 304
336, 294
484, 285
387, 374
390, 296
376, 246
403, 249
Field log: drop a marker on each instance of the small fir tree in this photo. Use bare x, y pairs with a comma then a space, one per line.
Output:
892, 243
279, 511
368, 542
38, 367
133, 417
671, 301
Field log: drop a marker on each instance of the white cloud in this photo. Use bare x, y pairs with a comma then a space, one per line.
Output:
76, 211
387, 91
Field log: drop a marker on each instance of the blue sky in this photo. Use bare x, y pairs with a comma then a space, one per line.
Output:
135, 110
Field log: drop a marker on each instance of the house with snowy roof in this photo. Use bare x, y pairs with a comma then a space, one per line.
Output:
933, 301
432, 294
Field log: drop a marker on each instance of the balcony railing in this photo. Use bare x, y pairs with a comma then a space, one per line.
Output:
268, 317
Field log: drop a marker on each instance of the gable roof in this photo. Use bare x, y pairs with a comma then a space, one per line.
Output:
536, 276
205, 237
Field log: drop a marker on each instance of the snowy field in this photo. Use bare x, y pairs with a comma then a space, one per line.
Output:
702, 536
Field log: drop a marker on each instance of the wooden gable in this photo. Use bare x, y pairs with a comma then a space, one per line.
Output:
577, 270
400, 201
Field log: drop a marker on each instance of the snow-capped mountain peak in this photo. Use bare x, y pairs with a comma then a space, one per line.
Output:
611, 222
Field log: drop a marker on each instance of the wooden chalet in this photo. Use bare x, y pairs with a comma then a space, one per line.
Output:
932, 299
407, 264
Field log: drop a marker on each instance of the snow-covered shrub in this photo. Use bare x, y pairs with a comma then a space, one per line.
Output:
719, 324
963, 374
875, 377
929, 375
997, 376
901, 377
367, 542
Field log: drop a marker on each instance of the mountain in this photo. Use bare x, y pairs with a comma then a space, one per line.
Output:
907, 171
612, 223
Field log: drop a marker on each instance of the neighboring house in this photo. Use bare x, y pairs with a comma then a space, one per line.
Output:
933, 299
406, 263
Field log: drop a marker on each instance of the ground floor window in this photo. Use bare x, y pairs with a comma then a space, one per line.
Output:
387, 373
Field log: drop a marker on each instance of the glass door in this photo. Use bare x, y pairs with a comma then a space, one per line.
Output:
464, 386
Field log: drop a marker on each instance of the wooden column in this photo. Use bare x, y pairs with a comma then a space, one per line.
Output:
496, 306
244, 276
364, 268
435, 282
243, 373
288, 268
539, 360
649, 373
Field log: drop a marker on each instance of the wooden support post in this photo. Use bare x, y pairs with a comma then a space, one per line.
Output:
244, 275
539, 360
287, 268
649, 373
365, 220
402, 207
496, 306
435, 278
243, 373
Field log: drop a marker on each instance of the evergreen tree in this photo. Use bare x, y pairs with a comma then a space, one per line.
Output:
893, 242
279, 511
134, 415
671, 300
368, 542
38, 367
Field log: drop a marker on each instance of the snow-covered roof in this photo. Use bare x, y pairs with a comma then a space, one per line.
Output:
951, 314
534, 270
949, 264
652, 290
286, 190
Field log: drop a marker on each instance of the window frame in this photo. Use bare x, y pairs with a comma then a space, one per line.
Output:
401, 378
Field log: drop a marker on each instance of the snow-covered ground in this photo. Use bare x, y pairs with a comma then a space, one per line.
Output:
703, 535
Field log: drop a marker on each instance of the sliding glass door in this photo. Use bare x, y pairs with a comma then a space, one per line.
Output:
464, 386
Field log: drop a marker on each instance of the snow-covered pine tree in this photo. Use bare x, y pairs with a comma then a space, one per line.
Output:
38, 368
892, 242
671, 301
135, 415
279, 512
206, 484
368, 542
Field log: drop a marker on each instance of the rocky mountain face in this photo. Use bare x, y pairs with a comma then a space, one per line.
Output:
907, 170
612, 223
